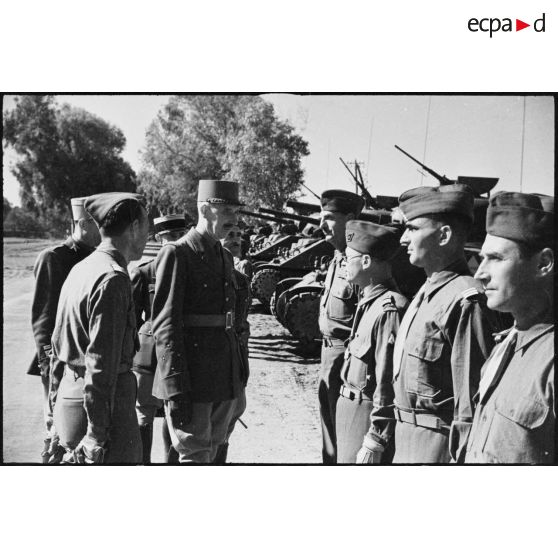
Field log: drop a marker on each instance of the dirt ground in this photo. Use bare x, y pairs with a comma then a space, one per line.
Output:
281, 416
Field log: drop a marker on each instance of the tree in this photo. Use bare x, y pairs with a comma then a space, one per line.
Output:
226, 137
65, 152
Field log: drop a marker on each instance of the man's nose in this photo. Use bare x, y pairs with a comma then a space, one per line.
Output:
481, 274
404, 240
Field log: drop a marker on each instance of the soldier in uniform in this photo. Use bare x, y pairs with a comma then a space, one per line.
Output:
337, 309
95, 339
233, 243
51, 269
167, 228
515, 416
199, 368
446, 333
364, 417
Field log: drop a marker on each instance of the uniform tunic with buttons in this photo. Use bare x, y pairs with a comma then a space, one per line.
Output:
337, 309
51, 269
515, 419
95, 336
366, 405
195, 277
447, 343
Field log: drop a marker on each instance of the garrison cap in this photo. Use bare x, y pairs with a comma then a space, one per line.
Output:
78, 212
219, 192
169, 223
289, 228
527, 218
98, 205
369, 238
265, 230
452, 198
342, 201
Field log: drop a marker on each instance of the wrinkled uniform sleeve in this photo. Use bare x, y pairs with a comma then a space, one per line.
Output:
472, 345
49, 278
167, 320
382, 419
109, 307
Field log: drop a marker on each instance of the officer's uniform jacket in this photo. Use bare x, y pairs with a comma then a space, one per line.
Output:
367, 372
515, 419
95, 330
338, 301
194, 278
143, 291
445, 348
51, 269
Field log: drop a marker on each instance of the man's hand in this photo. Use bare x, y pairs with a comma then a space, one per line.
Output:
180, 409
370, 452
88, 451
54, 453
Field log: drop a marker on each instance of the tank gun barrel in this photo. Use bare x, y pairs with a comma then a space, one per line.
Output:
303, 207
444, 180
265, 217
294, 217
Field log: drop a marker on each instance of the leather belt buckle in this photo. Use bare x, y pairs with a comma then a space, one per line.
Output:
229, 319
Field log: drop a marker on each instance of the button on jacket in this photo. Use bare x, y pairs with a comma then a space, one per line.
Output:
515, 420
51, 269
369, 356
338, 301
194, 277
95, 328
445, 348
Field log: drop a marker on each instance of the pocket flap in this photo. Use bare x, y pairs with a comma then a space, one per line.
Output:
526, 411
429, 349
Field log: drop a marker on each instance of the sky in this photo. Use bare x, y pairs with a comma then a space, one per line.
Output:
454, 135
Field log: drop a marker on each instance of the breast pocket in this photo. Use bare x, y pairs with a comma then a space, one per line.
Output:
427, 359
516, 432
341, 305
359, 349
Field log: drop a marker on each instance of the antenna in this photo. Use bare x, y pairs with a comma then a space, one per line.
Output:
426, 133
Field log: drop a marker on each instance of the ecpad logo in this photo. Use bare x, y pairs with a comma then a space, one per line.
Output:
492, 25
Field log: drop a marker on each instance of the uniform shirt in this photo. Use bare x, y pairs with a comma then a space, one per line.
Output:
338, 301
51, 269
242, 325
195, 277
515, 420
447, 343
369, 356
95, 330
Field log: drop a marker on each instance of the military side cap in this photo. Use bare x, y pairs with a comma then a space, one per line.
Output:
342, 201
527, 218
78, 212
98, 205
369, 238
452, 198
169, 223
219, 192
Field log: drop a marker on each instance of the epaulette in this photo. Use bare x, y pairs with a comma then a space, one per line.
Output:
118, 268
468, 293
388, 304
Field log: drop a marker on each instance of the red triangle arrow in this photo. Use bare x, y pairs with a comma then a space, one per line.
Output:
519, 25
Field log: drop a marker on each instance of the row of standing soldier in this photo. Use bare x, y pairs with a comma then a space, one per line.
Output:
397, 384
425, 383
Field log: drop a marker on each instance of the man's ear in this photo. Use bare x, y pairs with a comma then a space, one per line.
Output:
546, 262
365, 261
444, 234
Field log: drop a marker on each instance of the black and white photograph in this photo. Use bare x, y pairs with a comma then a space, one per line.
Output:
278, 279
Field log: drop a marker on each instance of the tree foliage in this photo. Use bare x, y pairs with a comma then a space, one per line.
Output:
226, 137
6, 208
64, 152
